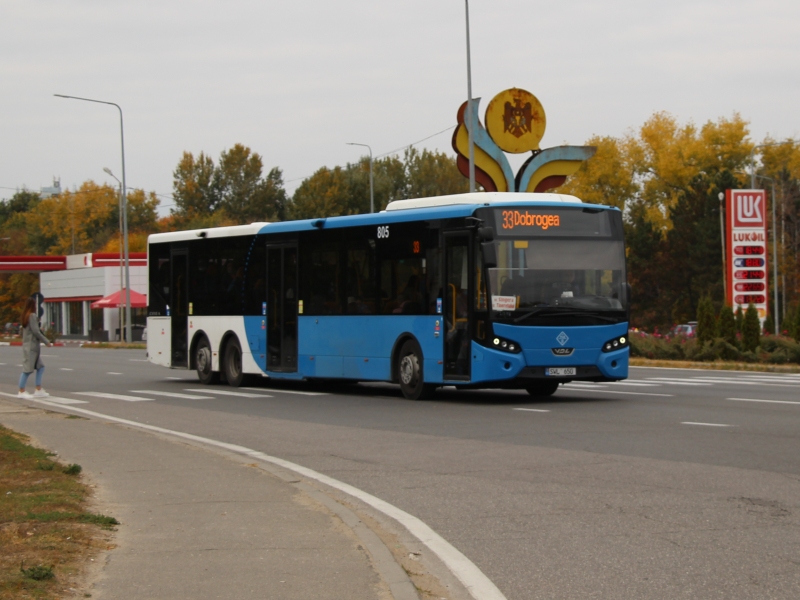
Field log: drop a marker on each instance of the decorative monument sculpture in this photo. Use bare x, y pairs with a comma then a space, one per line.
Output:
514, 123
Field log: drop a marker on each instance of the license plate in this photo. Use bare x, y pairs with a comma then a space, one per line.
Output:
560, 371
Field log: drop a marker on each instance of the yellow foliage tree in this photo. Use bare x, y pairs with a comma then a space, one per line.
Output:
656, 165
86, 220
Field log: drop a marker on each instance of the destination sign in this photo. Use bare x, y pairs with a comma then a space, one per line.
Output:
551, 222
517, 218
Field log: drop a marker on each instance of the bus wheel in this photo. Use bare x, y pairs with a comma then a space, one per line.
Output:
232, 363
409, 372
202, 360
543, 388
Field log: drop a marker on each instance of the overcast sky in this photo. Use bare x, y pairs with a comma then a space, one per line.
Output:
295, 81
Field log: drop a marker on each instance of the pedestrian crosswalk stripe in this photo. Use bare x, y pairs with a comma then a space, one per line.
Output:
116, 396
227, 393
172, 394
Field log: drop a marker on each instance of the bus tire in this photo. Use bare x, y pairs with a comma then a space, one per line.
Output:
232, 363
410, 373
203, 362
543, 388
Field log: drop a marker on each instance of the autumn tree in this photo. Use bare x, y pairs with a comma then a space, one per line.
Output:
192, 185
86, 219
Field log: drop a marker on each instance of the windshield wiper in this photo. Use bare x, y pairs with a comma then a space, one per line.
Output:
555, 310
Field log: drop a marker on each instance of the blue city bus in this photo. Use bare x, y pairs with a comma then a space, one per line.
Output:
483, 290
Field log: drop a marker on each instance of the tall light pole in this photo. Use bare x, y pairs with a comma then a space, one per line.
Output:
121, 285
371, 192
469, 109
124, 213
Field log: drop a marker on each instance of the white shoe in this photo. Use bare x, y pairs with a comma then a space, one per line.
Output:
40, 394
24, 395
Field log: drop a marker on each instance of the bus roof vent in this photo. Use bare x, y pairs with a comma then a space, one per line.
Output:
479, 198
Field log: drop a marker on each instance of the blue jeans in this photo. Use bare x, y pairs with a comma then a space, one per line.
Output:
23, 378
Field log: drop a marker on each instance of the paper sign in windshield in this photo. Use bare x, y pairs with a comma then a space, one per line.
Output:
504, 302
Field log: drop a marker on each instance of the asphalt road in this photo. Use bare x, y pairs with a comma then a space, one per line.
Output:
673, 484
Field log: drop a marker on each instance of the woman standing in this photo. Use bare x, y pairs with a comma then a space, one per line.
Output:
31, 361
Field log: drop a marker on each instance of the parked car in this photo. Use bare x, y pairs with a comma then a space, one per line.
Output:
688, 329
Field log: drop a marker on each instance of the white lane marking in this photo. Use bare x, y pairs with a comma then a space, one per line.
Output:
673, 382
531, 409
177, 378
586, 386
58, 400
479, 585
634, 383
112, 373
171, 394
282, 391
65, 369
732, 381
227, 393
55, 399
138, 360
766, 401
116, 397
621, 392
706, 424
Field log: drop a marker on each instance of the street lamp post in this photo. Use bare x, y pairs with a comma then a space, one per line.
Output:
124, 213
371, 192
121, 284
469, 109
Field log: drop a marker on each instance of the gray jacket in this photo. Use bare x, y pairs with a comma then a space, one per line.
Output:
31, 336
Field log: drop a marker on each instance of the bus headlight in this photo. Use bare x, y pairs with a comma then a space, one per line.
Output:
505, 345
617, 343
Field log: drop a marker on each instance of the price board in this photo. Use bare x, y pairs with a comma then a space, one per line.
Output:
746, 269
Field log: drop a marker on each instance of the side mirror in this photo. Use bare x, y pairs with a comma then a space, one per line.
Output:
485, 234
489, 250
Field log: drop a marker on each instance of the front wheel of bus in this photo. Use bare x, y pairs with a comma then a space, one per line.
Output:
409, 372
543, 388
232, 363
202, 359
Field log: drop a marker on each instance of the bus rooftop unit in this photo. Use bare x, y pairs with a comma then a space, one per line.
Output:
484, 290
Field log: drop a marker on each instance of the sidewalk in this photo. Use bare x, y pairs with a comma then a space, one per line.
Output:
198, 525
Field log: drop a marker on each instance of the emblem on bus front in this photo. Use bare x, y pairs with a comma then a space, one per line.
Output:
562, 338
563, 351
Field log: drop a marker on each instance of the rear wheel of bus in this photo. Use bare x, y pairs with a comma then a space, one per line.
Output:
203, 362
232, 363
410, 372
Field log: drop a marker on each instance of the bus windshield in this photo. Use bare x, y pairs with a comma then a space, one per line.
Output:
559, 281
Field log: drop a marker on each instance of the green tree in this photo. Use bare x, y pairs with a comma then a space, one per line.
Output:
727, 325
432, 174
345, 190
693, 261
739, 318
706, 320
751, 329
645, 247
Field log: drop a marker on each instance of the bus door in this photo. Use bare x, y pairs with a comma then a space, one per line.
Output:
179, 306
282, 307
457, 305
